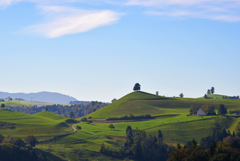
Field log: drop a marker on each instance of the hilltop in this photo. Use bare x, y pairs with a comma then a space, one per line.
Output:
217, 96
41, 97
141, 103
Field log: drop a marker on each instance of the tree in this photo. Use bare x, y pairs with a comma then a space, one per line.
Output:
94, 109
46, 109
2, 105
114, 100
181, 95
19, 142
84, 119
160, 135
194, 109
222, 110
208, 91
102, 149
1, 138
70, 114
111, 126
205, 96
136, 87
31, 140
194, 144
212, 90
89, 122
129, 137
209, 109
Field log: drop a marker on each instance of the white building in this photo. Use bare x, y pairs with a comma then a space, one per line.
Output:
200, 112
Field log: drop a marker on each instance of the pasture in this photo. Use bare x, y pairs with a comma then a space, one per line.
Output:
170, 116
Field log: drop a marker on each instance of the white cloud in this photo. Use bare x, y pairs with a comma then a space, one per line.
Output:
7, 2
224, 10
176, 2
67, 20
203, 15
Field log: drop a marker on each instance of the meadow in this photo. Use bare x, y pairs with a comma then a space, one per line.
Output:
171, 117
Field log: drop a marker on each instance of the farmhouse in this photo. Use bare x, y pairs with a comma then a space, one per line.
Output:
200, 112
237, 112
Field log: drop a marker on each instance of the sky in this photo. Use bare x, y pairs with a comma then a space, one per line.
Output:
97, 50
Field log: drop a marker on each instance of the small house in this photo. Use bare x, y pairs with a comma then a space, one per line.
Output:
200, 112
237, 112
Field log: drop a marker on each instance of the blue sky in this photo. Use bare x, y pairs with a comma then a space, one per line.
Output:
98, 50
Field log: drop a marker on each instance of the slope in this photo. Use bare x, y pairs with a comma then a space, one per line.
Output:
50, 115
18, 124
129, 104
140, 103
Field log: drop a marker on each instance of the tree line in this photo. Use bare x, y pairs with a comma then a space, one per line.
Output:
209, 109
64, 110
139, 146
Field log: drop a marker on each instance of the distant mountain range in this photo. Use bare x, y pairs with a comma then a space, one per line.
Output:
40, 97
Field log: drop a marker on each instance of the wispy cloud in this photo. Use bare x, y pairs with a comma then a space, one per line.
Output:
7, 2
224, 10
68, 20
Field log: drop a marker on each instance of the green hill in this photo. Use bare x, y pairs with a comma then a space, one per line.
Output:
50, 115
131, 103
140, 103
216, 96
18, 124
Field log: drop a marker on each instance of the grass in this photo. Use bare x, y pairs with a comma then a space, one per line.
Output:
139, 103
25, 124
171, 119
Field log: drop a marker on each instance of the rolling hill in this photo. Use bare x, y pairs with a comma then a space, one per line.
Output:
140, 103
43, 124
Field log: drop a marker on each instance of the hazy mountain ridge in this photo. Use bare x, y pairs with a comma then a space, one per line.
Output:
41, 97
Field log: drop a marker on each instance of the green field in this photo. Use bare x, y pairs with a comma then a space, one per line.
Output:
171, 117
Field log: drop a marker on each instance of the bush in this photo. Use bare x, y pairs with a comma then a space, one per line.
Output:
79, 127
84, 119
1, 138
31, 140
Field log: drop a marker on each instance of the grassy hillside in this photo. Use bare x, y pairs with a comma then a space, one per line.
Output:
171, 117
216, 96
44, 124
140, 103
50, 115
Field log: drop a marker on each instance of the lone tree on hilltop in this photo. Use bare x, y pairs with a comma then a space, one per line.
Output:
181, 95
2, 105
208, 91
136, 87
111, 126
205, 96
46, 109
222, 109
212, 90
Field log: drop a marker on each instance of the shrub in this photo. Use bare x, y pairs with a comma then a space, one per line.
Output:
84, 119
31, 140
